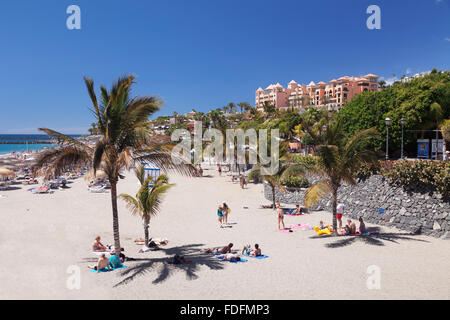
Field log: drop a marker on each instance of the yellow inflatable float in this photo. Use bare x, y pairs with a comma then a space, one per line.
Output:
323, 231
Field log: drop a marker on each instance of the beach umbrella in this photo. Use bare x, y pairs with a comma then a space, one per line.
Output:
6, 173
100, 174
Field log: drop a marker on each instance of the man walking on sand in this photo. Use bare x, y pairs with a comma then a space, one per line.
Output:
339, 212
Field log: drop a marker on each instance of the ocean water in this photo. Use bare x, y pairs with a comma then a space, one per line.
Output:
21, 140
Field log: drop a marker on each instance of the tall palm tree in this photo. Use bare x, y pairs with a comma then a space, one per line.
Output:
340, 158
125, 141
148, 198
232, 107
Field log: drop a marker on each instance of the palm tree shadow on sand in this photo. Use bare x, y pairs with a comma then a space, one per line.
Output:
371, 239
164, 269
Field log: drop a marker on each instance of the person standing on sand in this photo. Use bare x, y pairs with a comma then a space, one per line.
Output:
226, 211
280, 214
339, 212
220, 215
220, 170
242, 181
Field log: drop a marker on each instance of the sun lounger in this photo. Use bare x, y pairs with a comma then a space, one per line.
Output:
100, 189
43, 189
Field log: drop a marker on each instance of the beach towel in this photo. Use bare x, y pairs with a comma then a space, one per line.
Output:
263, 256
303, 226
242, 260
107, 270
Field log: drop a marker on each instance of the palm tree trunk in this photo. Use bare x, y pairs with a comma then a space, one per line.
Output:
146, 236
273, 197
334, 195
115, 216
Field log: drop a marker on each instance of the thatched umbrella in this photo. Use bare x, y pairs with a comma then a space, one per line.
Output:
6, 173
100, 174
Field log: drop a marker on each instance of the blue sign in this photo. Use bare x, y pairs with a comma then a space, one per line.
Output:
423, 148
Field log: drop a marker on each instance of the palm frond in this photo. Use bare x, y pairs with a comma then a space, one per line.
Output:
131, 203
316, 192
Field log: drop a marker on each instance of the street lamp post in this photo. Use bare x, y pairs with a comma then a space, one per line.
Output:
402, 120
388, 123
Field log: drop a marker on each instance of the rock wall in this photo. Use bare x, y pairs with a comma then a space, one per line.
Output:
418, 211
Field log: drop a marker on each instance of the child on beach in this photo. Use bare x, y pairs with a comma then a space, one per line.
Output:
220, 213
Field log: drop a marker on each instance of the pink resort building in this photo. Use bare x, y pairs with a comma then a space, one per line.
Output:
332, 95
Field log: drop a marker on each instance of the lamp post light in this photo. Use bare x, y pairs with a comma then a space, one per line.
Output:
402, 120
388, 123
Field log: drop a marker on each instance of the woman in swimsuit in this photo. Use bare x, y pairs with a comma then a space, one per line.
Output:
280, 216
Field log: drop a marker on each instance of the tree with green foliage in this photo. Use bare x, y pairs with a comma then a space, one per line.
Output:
148, 198
339, 159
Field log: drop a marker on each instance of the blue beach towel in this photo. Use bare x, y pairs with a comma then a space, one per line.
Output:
242, 260
258, 257
108, 270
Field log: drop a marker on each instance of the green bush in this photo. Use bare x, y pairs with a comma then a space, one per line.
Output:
295, 182
426, 174
307, 161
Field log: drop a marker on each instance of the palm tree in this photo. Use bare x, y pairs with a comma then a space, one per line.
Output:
286, 169
232, 107
340, 158
244, 106
148, 198
123, 124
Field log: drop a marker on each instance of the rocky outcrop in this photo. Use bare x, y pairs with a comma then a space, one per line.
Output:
380, 202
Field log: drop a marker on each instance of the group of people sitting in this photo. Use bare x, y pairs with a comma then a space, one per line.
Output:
227, 254
349, 229
113, 262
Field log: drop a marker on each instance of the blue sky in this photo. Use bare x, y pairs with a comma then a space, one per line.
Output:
201, 54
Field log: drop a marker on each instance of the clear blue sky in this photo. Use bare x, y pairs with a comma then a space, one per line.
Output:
201, 54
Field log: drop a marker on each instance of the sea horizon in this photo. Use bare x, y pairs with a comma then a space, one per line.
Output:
7, 145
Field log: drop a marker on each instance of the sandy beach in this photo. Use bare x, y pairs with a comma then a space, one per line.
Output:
44, 238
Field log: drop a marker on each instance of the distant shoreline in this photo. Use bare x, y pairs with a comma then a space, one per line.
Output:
27, 142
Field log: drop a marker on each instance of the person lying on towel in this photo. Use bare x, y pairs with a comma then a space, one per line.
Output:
232, 257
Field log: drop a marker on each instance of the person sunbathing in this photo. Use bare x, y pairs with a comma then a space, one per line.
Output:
103, 263
97, 246
350, 228
247, 249
256, 252
233, 257
224, 250
362, 226
266, 206
114, 261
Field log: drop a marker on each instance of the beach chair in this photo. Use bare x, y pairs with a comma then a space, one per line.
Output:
97, 189
40, 190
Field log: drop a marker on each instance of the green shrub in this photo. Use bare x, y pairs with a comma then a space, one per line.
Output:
426, 174
307, 161
295, 182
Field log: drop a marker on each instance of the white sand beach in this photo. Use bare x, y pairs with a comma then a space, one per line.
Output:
43, 236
